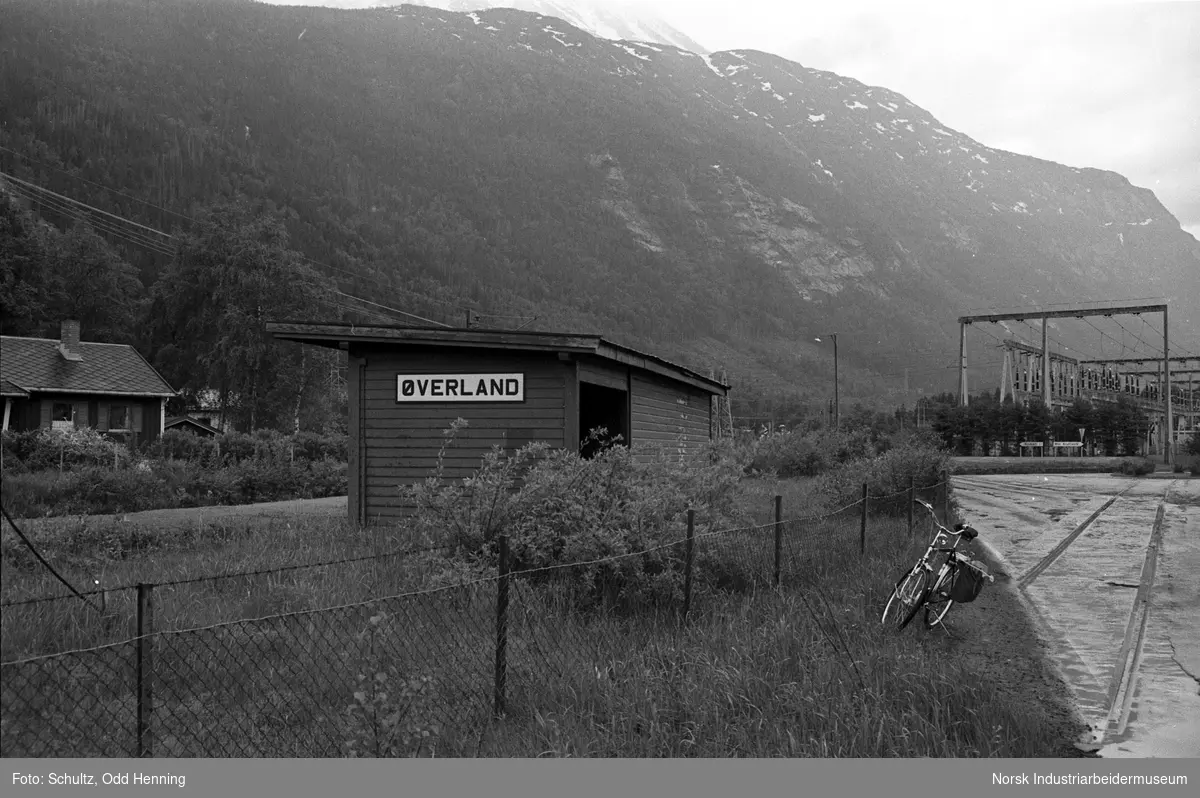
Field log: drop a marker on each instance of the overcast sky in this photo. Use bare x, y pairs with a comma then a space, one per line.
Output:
1111, 85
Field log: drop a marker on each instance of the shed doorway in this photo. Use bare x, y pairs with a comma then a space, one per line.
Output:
601, 406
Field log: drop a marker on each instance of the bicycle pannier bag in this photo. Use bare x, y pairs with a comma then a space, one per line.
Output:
968, 582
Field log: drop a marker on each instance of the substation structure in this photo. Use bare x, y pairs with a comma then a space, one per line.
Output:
1167, 394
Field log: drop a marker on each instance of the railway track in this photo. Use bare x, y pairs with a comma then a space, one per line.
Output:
1124, 682
1110, 706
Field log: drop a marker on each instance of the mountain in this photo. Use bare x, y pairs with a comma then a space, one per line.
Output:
605, 20
720, 209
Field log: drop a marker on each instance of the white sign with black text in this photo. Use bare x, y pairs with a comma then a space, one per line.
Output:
460, 387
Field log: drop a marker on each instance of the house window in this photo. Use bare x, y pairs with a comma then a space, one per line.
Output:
62, 412
120, 419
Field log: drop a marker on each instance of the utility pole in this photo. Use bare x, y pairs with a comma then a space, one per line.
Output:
1168, 451
962, 364
837, 405
1046, 360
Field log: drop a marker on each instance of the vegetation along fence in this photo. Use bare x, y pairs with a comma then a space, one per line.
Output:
412, 672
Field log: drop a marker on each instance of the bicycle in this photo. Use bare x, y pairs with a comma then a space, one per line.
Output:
957, 579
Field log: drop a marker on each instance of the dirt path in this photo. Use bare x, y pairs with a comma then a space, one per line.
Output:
1109, 569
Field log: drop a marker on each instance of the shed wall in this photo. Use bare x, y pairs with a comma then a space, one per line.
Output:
400, 442
669, 414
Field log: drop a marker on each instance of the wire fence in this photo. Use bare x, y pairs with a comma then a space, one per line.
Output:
412, 672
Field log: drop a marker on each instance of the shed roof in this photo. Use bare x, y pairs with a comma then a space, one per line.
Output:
336, 334
37, 365
181, 421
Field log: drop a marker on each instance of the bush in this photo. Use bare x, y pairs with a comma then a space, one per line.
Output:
887, 477
1136, 467
557, 507
44, 449
807, 454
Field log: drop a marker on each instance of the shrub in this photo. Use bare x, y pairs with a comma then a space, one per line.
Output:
389, 714
557, 507
1136, 466
45, 448
807, 454
176, 444
887, 477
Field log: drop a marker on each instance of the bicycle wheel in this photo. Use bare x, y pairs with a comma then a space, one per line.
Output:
906, 599
939, 602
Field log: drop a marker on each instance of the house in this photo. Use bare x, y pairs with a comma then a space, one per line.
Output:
192, 425
205, 407
68, 383
407, 384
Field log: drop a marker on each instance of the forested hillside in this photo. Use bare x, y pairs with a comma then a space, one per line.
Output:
722, 211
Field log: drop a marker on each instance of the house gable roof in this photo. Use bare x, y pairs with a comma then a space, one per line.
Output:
9, 389
188, 421
36, 365
335, 335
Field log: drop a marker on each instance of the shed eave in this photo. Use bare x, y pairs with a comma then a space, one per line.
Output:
343, 336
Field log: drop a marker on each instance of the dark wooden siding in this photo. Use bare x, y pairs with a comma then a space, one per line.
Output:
669, 414
606, 374
401, 441
91, 411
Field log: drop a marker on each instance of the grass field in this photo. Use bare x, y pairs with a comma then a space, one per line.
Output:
804, 670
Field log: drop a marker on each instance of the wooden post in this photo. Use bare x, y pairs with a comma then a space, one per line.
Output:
501, 628
912, 496
862, 533
946, 497
145, 669
778, 536
687, 562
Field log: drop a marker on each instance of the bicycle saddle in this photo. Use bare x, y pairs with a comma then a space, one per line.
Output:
968, 532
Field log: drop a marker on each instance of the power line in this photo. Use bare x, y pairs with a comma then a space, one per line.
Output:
393, 310
42, 559
100, 224
99, 185
55, 194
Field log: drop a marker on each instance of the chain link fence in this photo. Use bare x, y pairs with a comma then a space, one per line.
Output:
412, 673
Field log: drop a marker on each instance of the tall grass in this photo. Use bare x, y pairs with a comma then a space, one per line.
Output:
802, 670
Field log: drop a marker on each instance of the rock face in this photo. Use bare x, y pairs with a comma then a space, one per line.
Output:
727, 205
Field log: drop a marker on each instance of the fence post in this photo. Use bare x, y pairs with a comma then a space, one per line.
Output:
862, 534
145, 669
501, 628
778, 535
912, 497
687, 563
946, 496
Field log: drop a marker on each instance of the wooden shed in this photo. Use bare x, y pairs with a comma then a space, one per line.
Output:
407, 384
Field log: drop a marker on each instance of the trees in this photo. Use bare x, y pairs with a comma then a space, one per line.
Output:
231, 274
1116, 428
47, 275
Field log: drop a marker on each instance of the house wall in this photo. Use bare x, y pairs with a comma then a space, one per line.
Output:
89, 411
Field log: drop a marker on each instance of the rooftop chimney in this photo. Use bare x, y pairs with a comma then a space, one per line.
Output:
69, 342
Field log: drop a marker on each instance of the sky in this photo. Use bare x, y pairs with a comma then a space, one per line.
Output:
1109, 85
